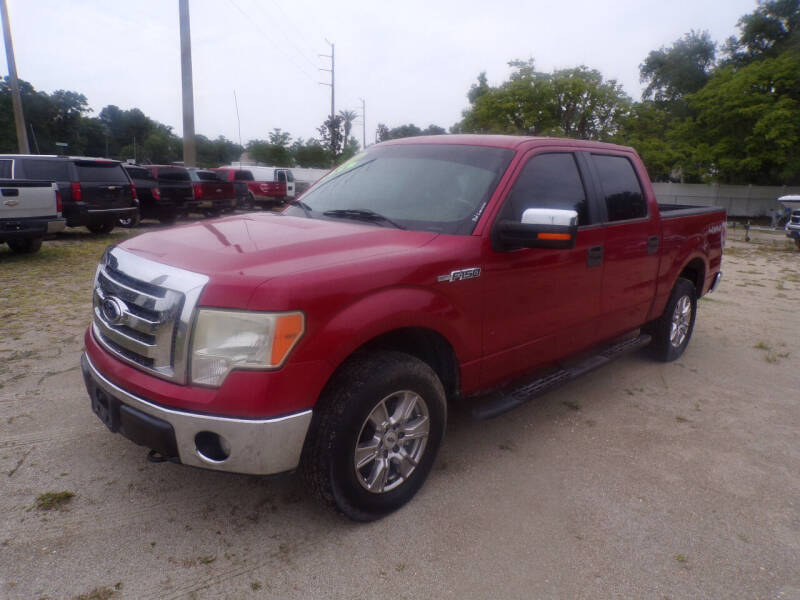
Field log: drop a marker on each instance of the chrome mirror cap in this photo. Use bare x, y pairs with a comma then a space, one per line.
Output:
550, 216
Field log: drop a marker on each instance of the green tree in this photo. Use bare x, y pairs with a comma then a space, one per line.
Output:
575, 102
332, 135
673, 72
348, 118
773, 28
310, 153
746, 123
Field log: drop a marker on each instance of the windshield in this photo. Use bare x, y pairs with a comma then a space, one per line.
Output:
425, 187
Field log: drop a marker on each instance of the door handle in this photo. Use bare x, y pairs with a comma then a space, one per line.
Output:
594, 256
652, 244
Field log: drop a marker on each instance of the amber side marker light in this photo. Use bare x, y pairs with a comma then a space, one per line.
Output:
555, 236
288, 330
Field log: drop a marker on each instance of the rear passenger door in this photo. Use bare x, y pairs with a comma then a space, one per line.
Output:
631, 249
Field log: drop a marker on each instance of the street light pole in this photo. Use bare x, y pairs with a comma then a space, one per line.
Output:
189, 148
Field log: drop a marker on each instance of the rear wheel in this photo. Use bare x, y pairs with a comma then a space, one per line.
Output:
101, 228
26, 246
673, 329
129, 221
375, 434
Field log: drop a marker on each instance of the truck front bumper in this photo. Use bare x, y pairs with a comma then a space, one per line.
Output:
258, 447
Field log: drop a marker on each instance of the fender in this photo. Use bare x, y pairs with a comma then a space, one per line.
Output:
695, 247
390, 309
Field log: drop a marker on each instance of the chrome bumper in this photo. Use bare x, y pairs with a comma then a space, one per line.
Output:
258, 447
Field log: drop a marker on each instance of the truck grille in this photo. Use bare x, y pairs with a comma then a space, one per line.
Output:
143, 312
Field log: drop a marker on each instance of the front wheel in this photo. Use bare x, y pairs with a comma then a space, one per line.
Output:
26, 246
375, 434
673, 329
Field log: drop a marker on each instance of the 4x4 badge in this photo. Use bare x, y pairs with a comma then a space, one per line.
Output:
460, 275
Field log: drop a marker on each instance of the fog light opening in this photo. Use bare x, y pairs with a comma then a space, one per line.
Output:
212, 447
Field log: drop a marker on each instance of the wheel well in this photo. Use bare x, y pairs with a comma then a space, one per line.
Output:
695, 272
428, 346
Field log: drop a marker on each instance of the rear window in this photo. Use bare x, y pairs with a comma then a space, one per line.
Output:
139, 173
50, 170
207, 176
5, 169
173, 174
101, 172
243, 176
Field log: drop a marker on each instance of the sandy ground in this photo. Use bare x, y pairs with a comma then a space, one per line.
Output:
641, 480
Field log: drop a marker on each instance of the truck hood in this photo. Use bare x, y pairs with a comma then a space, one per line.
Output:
255, 247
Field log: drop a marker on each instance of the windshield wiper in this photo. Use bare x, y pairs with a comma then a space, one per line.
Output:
306, 208
361, 213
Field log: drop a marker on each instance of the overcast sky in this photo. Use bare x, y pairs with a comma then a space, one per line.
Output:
412, 61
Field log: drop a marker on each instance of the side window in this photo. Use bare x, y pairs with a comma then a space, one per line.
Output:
289, 176
623, 194
548, 181
48, 170
281, 176
5, 169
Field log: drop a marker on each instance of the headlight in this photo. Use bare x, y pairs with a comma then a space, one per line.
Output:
224, 340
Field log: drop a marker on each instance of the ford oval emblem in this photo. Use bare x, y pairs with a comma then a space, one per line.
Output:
114, 310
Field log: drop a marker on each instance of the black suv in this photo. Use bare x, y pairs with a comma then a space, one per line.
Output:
95, 192
163, 192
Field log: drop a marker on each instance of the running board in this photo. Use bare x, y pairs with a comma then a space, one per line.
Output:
496, 403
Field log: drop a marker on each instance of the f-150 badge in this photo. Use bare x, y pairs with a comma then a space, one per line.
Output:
460, 275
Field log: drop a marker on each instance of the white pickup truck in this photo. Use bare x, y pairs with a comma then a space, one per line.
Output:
29, 212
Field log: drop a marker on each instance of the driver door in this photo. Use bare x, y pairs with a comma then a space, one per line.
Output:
542, 304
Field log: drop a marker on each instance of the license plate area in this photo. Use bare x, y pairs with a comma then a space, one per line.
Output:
106, 408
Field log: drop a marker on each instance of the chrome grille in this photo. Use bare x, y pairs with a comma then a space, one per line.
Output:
143, 312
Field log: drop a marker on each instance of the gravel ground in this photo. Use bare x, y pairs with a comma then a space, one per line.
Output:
640, 480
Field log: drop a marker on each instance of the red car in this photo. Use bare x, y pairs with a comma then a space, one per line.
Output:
330, 338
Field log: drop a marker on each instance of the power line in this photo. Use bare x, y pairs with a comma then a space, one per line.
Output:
286, 37
263, 32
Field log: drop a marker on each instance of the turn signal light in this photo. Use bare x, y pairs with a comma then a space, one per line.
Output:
561, 237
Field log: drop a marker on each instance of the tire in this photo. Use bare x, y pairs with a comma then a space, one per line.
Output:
101, 228
361, 407
129, 222
25, 246
797, 241
251, 202
673, 329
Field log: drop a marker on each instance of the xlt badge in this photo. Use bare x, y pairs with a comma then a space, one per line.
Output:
460, 275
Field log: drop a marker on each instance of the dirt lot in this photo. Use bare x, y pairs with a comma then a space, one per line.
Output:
641, 480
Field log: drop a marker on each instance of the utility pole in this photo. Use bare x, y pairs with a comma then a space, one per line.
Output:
16, 99
189, 148
363, 124
239, 121
332, 71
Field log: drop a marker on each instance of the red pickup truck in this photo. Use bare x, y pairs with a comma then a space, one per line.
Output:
262, 193
482, 270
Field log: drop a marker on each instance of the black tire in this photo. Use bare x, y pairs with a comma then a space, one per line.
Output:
340, 424
101, 228
25, 246
129, 221
668, 344
251, 204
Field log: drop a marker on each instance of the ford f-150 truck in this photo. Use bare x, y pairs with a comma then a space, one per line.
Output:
482, 270
268, 186
29, 212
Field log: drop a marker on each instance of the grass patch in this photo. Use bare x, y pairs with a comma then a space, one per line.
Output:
681, 558
101, 593
54, 500
571, 405
206, 560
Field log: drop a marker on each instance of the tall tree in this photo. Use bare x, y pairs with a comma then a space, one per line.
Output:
673, 72
771, 29
575, 102
348, 117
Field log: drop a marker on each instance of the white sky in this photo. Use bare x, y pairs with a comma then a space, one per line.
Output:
412, 61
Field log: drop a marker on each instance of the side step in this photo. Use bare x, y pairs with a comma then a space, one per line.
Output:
496, 403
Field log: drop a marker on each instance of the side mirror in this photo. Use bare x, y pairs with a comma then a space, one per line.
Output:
538, 228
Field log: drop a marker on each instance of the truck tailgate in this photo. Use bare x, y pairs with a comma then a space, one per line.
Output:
23, 199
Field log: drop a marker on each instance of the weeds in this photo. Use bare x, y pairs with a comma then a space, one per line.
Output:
54, 500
